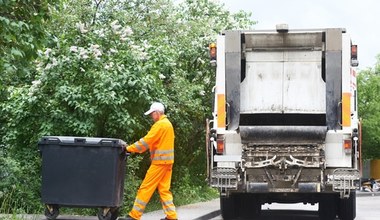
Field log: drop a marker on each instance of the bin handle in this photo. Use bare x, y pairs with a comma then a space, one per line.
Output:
80, 140
51, 139
107, 141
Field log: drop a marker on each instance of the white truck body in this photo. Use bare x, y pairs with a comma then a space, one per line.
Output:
285, 122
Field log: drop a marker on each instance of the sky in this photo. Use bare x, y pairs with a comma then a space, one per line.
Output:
360, 18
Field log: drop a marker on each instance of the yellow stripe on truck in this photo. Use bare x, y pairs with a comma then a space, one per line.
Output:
346, 109
221, 112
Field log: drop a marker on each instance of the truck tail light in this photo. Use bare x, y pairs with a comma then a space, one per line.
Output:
354, 56
219, 146
354, 52
347, 146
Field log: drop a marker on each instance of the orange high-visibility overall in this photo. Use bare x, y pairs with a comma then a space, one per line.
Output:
160, 142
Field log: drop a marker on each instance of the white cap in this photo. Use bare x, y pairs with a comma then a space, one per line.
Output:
156, 106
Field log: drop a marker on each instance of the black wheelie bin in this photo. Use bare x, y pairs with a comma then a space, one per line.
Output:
82, 172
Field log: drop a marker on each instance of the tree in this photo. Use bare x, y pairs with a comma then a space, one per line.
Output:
22, 25
369, 109
23, 32
104, 63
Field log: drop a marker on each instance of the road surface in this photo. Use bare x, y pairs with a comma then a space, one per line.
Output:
368, 208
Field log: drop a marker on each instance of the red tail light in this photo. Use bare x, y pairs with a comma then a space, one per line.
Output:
354, 52
219, 146
347, 145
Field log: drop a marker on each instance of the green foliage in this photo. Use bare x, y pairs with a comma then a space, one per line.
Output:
99, 69
22, 25
369, 109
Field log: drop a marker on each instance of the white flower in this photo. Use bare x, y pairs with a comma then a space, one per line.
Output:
82, 70
161, 76
202, 93
127, 31
135, 47
114, 22
109, 66
36, 82
34, 87
100, 33
94, 46
74, 49
39, 64
113, 50
81, 28
97, 54
95, 51
143, 55
55, 62
83, 53
48, 66
146, 45
47, 52
115, 26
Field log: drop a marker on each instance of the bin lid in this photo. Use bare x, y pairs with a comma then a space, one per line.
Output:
82, 141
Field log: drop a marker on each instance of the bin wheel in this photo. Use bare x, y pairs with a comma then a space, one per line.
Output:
51, 211
108, 213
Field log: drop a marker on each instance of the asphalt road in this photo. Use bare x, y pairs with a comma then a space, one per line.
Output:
368, 205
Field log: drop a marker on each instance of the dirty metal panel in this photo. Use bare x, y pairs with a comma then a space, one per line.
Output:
334, 39
233, 75
261, 90
333, 89
282, 135
310, 40
283, 82
304, 89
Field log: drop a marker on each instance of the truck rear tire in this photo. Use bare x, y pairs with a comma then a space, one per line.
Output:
327, 209
249, 206
227, 207
347, 207
240, 205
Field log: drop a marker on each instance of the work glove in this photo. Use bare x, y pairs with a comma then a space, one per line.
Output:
124, 150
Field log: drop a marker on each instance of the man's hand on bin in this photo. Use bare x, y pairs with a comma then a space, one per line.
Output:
125, 150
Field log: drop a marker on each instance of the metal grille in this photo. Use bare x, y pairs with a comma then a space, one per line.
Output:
345, 180
224, 178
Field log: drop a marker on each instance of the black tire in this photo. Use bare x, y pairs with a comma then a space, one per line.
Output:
249, 206
227, 207
107, 216
327, 209
347, 207
53, 214
115, 213
112, 214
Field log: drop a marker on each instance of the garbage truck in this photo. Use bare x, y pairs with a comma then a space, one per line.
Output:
284, 126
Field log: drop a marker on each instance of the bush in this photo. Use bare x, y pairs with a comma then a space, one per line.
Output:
101, 66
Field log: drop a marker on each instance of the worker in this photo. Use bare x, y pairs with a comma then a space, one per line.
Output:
160, 143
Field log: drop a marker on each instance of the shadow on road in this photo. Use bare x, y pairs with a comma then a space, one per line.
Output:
288, 215
285, 215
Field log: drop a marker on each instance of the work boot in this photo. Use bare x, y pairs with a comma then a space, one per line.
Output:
168, 219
